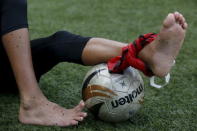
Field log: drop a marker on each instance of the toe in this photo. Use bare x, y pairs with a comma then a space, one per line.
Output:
182, 18
73, 122
179, 19
82, 114
176, 15
80, 106
78, 118
169, 21
183, 21
185, 26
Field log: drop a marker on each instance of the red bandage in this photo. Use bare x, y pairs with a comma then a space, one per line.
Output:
129, 56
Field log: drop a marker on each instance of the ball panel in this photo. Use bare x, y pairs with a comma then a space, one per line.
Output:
96, 109
97, 90
120, 83
113, 97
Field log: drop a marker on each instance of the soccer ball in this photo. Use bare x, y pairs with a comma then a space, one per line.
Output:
113, 97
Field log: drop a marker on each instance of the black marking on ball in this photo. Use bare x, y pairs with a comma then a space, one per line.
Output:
95, 109
85, 85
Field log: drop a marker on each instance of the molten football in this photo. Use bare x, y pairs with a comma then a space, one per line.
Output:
113, 97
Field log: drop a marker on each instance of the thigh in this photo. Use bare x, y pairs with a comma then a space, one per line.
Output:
46, 53
59, 47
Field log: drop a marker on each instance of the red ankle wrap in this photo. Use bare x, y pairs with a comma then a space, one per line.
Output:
129, 56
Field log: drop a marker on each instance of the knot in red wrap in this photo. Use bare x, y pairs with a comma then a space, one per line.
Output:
129, 56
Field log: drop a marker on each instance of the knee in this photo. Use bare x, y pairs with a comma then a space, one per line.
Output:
56, 44
60, 36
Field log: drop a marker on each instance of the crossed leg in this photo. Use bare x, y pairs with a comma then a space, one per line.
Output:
159, 55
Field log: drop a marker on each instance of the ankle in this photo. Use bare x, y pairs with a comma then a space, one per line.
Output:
31, 102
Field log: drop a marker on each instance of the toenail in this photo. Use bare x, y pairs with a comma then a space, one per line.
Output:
85, 114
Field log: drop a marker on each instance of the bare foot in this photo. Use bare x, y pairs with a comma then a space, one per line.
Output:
48, 114
161, 53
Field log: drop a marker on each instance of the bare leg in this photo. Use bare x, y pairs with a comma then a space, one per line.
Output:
34, 107
100, 50
159, 55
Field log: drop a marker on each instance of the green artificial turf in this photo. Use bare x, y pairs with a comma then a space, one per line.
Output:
171, 108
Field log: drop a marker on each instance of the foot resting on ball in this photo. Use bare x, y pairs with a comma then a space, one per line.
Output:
162, 52
157, 52
129, 56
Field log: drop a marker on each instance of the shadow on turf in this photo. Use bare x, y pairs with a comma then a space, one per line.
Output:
139, 119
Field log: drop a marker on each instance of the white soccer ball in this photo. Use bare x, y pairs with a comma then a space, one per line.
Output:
113, 97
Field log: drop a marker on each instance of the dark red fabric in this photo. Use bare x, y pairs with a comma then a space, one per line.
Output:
129, 56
